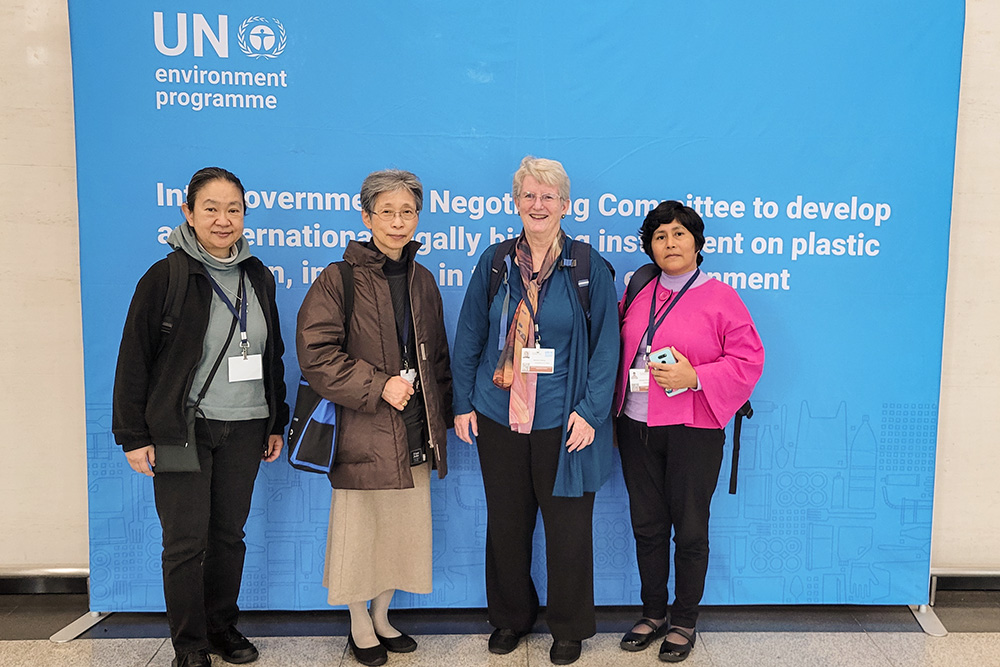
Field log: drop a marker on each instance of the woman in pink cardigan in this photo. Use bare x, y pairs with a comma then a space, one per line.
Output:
671, 417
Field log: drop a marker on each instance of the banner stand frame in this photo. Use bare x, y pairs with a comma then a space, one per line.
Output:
928, 620
79, 626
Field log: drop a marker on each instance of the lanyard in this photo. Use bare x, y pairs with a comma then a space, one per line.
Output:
404, 335
531, 311
241, 314
652, 327
502, 338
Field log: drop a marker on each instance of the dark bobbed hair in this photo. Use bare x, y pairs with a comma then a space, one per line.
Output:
664, 214
206, 175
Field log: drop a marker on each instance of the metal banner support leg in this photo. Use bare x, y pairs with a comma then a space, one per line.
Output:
79, 626
928, 620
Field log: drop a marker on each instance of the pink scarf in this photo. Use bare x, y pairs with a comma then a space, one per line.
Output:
521, 334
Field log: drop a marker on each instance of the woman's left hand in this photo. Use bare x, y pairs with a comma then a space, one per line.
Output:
579, 433
275, 443
678, 375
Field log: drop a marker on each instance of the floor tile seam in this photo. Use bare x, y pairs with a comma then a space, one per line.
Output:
885, 656
705, 646
155, 653
860, 625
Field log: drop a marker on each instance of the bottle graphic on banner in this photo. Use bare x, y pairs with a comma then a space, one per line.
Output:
821, 441
861, 480
766, 448
838, 492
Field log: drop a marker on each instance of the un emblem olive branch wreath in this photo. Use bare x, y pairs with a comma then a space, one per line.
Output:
282, 38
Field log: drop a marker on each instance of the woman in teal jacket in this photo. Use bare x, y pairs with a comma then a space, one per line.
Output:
543, 435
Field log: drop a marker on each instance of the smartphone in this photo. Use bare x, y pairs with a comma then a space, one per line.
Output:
665, 356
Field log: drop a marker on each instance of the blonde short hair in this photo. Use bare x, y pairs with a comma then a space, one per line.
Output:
543, 170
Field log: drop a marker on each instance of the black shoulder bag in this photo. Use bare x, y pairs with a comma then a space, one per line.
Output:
177, 458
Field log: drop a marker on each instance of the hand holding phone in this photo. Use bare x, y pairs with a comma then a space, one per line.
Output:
666, 356
663, 356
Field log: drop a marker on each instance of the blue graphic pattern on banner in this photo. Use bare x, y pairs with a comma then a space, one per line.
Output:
817, 141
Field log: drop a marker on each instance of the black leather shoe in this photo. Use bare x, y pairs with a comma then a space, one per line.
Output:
404, 643
374, 656
505, 640
637, 641
565, 651
671, 652
232, 646
193, 659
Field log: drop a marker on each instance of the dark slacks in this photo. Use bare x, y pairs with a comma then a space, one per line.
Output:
202, 515
519, 471
670, 473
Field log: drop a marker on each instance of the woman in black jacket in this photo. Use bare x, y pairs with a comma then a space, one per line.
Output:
199, 401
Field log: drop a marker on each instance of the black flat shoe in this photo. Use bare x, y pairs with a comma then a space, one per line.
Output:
671, 652
232, 646
637, 641
505, 640
193, 659
374, 656
565, 651
404, 643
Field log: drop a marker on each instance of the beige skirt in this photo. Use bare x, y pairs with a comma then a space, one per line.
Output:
379, 540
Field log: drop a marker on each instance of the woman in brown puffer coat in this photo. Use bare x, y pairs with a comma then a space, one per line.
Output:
393, 383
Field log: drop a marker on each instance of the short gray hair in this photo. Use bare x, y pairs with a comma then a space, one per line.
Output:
390, 180
543, 170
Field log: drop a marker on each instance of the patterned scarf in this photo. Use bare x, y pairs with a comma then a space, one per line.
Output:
521, 334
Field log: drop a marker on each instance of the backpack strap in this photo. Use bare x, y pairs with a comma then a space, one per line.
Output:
502, 261
745, 411
575, 257
642, 277
177, 284
347, 278
578, 263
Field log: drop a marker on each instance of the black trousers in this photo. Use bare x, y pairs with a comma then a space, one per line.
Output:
518, 474
202, 515
670, 473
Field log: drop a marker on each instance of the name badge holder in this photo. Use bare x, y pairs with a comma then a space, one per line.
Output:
246, 366
638, 379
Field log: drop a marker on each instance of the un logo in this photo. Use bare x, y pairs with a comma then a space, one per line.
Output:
260, 37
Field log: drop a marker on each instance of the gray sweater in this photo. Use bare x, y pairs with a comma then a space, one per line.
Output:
225, 400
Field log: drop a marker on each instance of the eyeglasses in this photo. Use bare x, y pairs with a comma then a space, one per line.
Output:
406, 215
547, 199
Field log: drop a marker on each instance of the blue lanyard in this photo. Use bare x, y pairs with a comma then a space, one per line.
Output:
652, 327
502, 337
531, 311
404, 335
241, 305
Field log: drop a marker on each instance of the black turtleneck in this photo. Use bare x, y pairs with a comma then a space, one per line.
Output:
396, 273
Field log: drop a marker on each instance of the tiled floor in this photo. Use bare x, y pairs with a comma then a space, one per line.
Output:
728, 637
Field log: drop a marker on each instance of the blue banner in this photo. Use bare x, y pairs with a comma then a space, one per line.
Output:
816, 140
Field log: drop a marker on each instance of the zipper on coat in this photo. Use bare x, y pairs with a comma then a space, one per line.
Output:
421, 360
